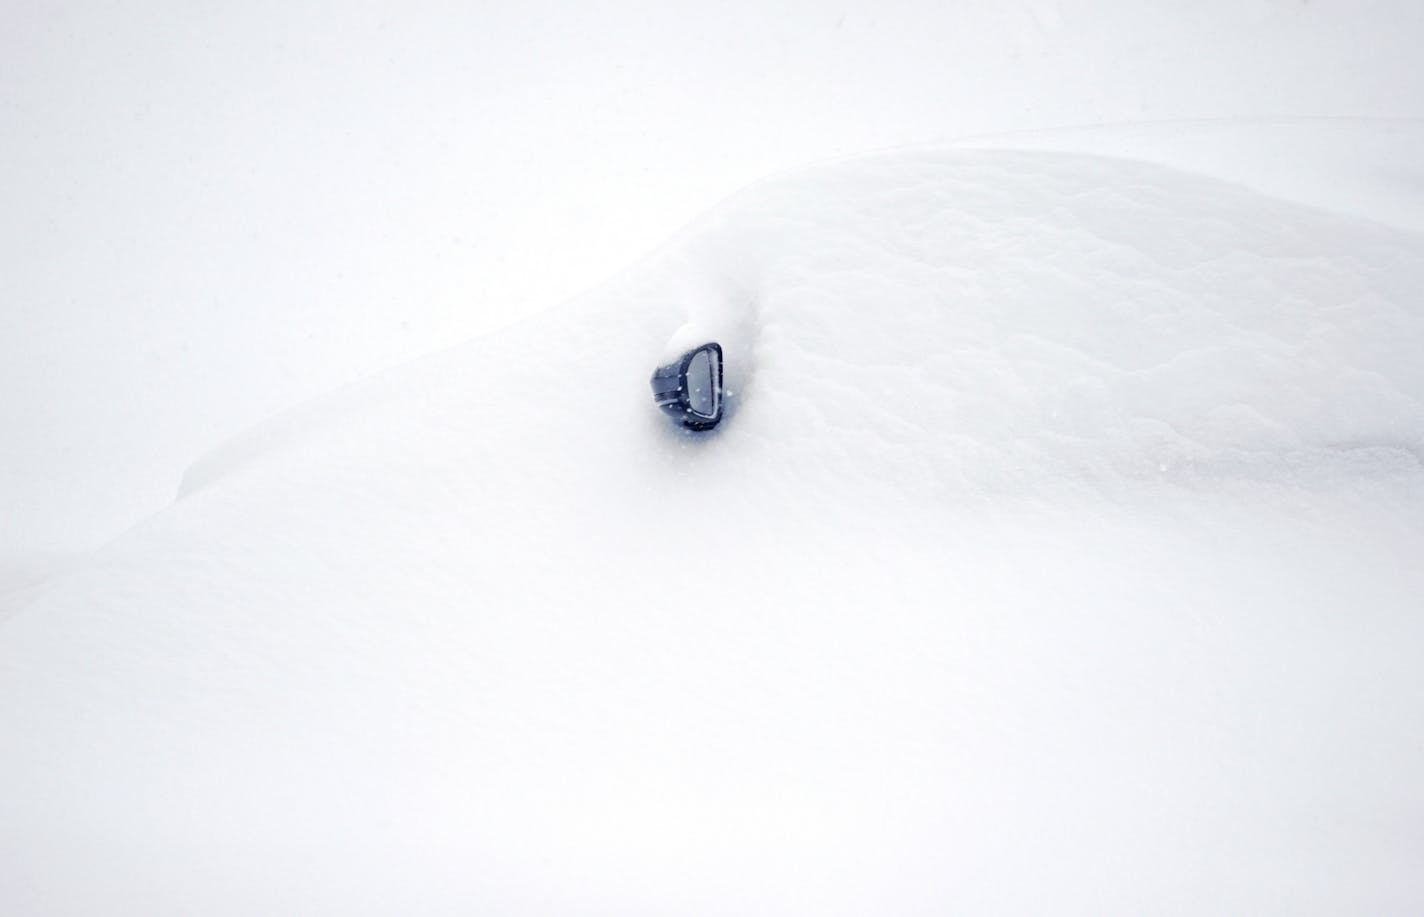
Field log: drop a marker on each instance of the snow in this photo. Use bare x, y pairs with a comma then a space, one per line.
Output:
210, 215
1058, 553
1367, 167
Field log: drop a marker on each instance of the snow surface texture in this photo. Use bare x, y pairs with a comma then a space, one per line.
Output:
1059, 553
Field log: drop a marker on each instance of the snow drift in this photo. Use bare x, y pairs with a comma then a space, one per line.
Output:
1058, 554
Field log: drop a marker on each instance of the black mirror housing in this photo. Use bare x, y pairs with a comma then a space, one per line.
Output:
689, 389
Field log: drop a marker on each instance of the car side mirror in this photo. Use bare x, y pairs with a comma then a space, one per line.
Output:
689, 389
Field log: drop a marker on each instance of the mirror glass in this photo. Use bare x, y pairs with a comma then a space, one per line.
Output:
702, 383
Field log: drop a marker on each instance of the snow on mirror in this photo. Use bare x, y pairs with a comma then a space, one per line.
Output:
689, 389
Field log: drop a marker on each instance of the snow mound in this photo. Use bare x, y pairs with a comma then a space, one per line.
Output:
1058, 553
1016, 320
1010, 317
